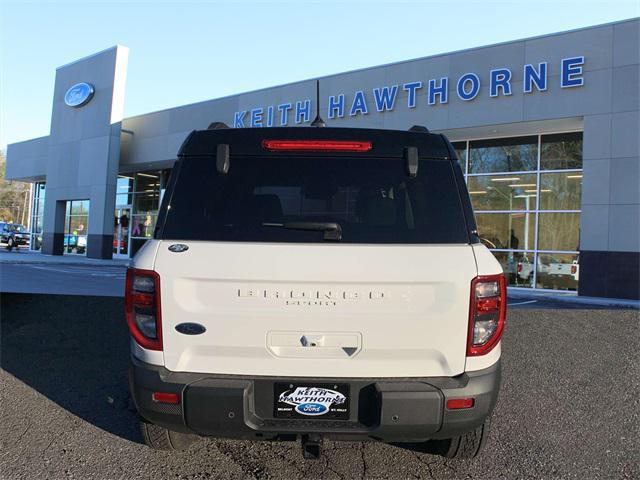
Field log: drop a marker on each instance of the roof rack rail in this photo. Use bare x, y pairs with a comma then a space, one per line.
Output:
419, 128
217, 126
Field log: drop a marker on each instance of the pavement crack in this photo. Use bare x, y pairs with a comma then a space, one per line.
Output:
25, 431
425, 463
330, 468
249, 466
47, 447
364, 460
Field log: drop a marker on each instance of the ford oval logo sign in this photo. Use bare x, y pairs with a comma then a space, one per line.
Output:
311, 408
78, 95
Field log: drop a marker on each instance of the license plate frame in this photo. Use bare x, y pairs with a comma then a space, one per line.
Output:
311, 401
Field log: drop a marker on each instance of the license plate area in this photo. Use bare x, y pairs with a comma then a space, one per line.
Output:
322, 401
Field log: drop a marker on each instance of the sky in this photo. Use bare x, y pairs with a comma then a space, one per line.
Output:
188, 51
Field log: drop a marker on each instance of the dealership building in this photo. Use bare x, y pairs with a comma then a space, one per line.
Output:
546, 130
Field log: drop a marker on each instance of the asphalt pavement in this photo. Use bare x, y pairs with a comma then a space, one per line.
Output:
63, 279
568, 407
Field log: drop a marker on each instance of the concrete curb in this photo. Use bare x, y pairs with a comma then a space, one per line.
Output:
574, 299
30, 259
68, 264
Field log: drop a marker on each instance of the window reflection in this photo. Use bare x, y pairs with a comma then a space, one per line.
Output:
147, 181
560, 191
559, 231
559, 271
503, 155
561, 151
78, 207
507, 230
143, 225
124, 184
37, 215
503, 192
146, 202
547, 202
518, 267
76, 227
124, 188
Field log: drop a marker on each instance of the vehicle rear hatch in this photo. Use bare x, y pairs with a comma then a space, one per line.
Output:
281, 292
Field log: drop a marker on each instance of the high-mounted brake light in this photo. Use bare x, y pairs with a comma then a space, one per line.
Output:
142, 308
316, 145
487, 313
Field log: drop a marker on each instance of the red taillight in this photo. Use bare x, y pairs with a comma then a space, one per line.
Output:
142, 298
317, 145
488, 305
459, 403
164, 397
142, 308
487, 313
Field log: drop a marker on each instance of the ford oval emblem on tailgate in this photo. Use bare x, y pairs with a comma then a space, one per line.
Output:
178, 247
190, 328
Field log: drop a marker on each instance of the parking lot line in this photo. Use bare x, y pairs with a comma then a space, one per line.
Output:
522, 303
81, 271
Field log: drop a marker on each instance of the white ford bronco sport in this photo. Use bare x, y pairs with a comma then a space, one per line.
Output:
311, 283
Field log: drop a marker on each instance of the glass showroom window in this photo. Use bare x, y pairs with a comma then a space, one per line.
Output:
526, 194
76, 225
37, 214
145, 203
138, 197
124, 191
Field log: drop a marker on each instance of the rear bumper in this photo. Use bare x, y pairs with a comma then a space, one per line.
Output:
393, 410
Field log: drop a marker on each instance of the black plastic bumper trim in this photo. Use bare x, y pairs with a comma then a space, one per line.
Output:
388, 409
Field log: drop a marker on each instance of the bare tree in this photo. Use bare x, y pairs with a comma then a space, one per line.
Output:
14, 197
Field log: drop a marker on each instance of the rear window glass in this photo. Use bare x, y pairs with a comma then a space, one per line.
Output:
373, 200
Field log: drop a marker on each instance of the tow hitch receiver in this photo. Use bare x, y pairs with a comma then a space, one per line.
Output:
311, 446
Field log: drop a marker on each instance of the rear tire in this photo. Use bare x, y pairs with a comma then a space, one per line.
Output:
160, 438
468, 445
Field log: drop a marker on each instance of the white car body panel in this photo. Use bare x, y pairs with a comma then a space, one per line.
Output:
485, 261
481, 362
371, 310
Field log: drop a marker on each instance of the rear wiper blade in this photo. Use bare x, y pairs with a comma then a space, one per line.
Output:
332, 230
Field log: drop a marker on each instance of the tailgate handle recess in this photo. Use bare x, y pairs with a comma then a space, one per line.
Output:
314, 345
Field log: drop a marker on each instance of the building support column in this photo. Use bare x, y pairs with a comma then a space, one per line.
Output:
53, 235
